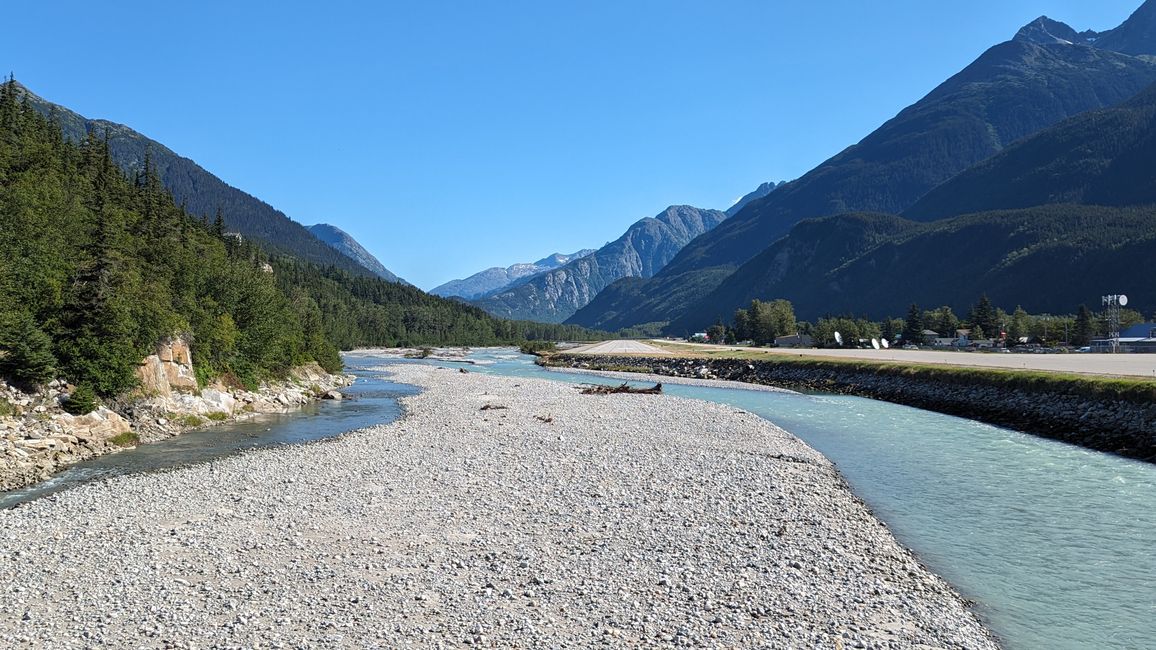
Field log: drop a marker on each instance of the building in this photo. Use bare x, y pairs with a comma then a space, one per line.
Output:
1138, 338
795, 341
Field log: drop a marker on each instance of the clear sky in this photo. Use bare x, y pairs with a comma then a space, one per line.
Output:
452, 136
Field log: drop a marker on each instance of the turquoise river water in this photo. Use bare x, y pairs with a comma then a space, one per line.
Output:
1056, 544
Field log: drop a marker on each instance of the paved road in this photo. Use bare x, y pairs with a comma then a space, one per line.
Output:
618, 347
1139, 365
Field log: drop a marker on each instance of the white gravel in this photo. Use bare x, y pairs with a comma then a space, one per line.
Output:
563, 520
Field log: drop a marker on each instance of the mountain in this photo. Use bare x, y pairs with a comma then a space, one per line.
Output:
1011, 91
496, 279
1136, 36
1064, 246
641, 251
344, 243
1049, 259
798, 264
200, 192
758, 193
1101, 157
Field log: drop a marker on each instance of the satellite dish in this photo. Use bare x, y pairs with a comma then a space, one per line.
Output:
886, 344
839, 338
875, 343
1123, 300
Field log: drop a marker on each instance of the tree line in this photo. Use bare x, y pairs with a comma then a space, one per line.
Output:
762, 323
98, 266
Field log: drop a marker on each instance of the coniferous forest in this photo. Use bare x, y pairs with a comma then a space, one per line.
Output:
96, 267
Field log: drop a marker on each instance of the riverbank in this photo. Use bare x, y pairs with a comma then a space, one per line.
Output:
547, 519
38, 438
1112, 415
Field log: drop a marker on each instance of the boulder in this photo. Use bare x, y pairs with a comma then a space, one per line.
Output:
97, 426
218, 401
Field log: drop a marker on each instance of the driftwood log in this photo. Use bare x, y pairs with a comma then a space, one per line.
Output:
598, 389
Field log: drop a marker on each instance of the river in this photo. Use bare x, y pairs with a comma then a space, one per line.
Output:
1056, 544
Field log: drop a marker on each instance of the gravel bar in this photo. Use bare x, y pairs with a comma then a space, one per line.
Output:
549, 519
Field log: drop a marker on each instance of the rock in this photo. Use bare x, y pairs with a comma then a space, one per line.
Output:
333, 395
218, 401
171, 368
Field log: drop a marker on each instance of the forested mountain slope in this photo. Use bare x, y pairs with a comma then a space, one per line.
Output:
1105, 157
201, 193
1013, 90
1049, 259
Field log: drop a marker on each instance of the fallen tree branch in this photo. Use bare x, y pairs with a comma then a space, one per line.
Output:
598, 389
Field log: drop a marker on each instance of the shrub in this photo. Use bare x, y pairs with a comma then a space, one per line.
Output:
81, 401
126, 439
191, 420
538, 347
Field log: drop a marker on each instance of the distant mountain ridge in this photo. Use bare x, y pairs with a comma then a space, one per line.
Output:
1049, 259
641, 251
1104, 157
1011, 91
757, 193
496, 278
1027, 226
200, 192
350, 247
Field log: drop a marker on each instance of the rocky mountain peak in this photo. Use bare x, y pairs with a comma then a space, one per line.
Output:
1045, 31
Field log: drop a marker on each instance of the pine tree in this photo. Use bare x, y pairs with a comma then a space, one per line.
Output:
82, 400
983, 316
25, 352
913, 326
1084, 329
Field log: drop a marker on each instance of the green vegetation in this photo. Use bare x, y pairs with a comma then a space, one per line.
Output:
763, 322
96, 267
126, 439
190, 420
217, 416
27, 359
82, 401
538, 347
360, 311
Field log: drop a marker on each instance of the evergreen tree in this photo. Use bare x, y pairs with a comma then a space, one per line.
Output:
913, 326
983, 316
1084, 329
25, 352
81, 401
742, 324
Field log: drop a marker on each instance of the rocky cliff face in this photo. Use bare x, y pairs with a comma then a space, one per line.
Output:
38, 439
169, 370
641, 251
497, 279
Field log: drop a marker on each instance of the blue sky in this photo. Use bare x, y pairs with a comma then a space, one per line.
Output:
452, 136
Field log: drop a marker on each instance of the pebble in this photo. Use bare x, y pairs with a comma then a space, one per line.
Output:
435, 531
